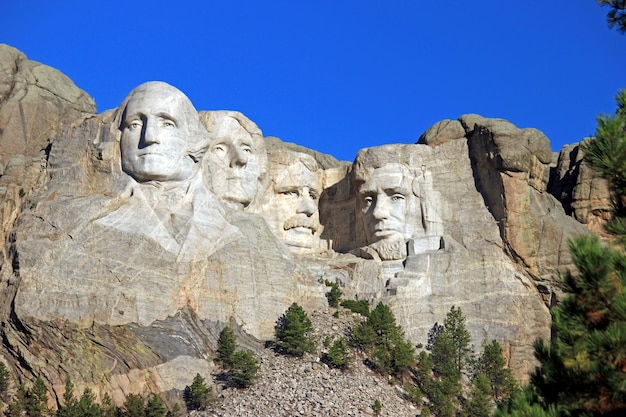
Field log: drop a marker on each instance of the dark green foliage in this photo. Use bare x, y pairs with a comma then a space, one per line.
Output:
338, 355
334, 295
198, 396
438, 374
607, 155
362, 336
377, 407
492, 364
584, 366
402, 356
454, 327
5, 378
226, 345
361, 307
526, 403
294, 332
70, 403
480, 402
133, 406
443, 355
83, 407
108, 408
336, 314
176, 411
19, 403
87, 405
432, 335
414, 394
244, 368
34, 400
616, 17
155, 407
391, 353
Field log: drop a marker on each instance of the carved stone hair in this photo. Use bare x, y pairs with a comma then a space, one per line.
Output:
370, 159
286, 158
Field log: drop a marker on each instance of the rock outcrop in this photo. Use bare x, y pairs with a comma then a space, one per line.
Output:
119, 274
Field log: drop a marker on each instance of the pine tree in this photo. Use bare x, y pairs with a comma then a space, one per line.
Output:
19, 403
479, 403
390, 352
37, 399
5, 378
583, 366
155, 407
244, 369
492, 364
133, 406
176, 411
334, 295
109, 409
87, 405
198, 395
617, 15
339, 354
70, 403
454, 326
226, 346
294, 332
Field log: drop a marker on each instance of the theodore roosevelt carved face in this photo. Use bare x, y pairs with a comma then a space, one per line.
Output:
161, 138
236, 158
291, 204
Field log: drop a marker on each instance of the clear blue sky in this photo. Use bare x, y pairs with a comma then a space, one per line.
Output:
338, 75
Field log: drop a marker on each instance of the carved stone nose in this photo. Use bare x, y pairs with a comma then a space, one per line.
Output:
237, 157
150, 134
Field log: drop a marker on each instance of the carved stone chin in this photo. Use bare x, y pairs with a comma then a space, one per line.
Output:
390, 250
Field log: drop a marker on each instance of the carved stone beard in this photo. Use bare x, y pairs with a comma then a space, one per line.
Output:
390, 251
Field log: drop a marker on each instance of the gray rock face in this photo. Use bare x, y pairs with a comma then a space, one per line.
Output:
131, 265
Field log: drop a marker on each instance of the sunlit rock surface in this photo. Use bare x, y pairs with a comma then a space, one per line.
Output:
120, 275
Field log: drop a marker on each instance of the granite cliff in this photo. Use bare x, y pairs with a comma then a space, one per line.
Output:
120, 275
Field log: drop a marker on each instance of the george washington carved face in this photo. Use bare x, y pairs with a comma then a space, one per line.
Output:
161, 135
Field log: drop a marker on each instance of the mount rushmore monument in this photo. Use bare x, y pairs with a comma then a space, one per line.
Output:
132, 237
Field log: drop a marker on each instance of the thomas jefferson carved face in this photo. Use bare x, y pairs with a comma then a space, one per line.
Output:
155, 134
233, 164
292, 212
386, 200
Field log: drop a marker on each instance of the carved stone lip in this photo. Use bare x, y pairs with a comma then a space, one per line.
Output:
301, 229
385, 232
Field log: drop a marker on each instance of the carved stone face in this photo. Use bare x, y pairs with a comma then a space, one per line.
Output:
154, 142
386, 200
233, 164
293, 212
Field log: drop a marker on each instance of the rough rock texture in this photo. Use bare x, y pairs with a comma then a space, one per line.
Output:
307, 386
511, 170
584, 194
37, 103
88, 292
325, 161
